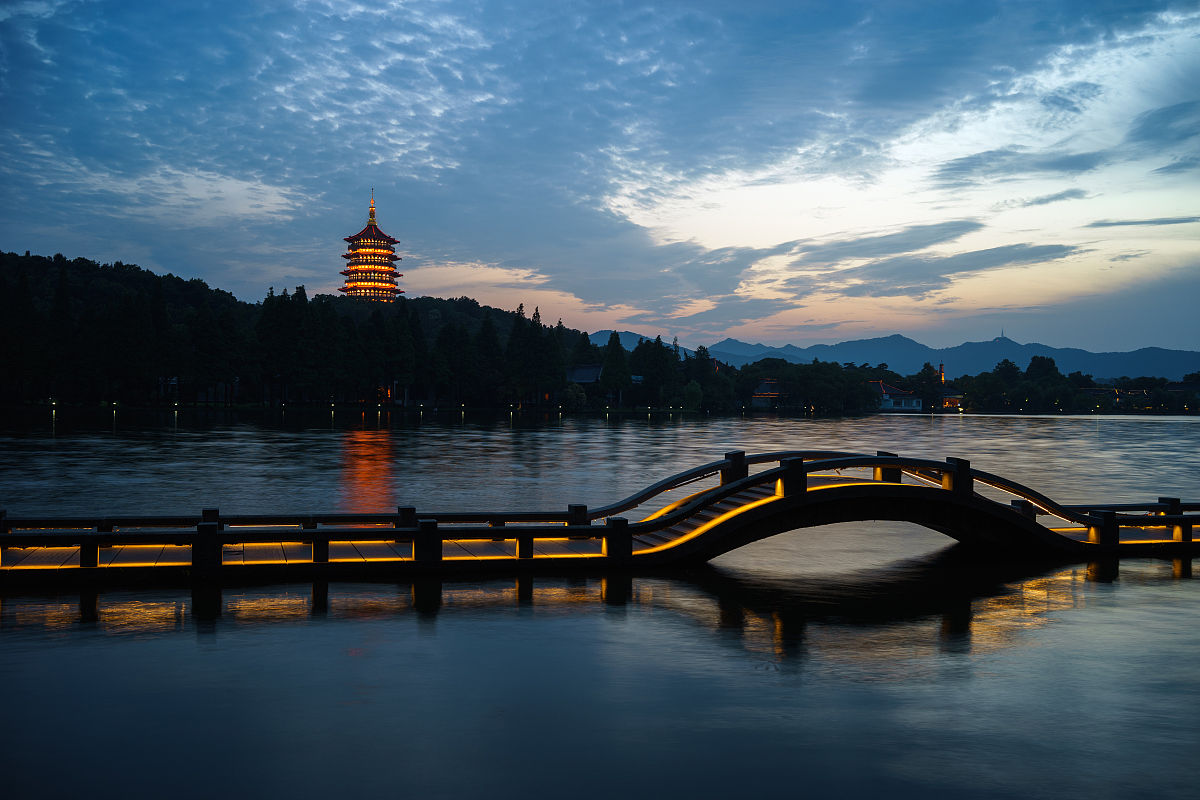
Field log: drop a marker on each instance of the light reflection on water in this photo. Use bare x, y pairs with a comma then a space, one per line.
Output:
849, 660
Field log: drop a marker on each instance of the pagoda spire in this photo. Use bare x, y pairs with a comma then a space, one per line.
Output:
371, 213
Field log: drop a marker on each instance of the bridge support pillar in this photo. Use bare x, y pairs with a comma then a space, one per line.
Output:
795, 477
206, 551
736, 468
618, 541
886, 474
524, 545
1103, 528
89, 554
957, 478
427, 544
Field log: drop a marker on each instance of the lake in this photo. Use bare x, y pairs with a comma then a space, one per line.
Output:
854, 660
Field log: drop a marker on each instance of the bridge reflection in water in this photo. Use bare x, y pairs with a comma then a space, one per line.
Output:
881, 620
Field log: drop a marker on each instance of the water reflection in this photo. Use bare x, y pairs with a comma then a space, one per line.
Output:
367, 471
876, 623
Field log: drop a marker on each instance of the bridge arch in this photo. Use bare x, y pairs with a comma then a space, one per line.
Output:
969, 519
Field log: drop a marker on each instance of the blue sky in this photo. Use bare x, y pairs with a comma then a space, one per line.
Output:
777, 172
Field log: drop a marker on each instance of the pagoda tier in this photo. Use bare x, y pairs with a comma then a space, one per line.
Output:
370, 273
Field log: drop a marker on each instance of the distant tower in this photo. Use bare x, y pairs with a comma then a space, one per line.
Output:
370, 273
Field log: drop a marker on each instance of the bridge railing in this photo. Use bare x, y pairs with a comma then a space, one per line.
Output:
211, 529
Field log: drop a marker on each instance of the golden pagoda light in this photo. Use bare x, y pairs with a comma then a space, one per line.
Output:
370, 273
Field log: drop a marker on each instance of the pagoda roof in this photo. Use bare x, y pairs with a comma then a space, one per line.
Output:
372, 232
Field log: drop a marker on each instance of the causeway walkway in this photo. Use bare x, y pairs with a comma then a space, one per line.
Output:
686, 518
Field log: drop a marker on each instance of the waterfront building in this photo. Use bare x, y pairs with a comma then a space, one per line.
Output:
767, 394
893, 399
370, 272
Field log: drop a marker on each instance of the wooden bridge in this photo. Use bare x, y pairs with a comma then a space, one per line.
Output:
742, 499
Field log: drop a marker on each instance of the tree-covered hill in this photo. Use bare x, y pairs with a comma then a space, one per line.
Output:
80, 332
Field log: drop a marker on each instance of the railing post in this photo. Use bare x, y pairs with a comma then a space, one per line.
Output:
1103, 528
886, 474
89, 552
320, 549
496, 523
427, 545
795, 477
958, 478
618, 541
406, 517
577, 515
1180, 531
525, 545
212, 515
1024, 508
736, 469
206, 551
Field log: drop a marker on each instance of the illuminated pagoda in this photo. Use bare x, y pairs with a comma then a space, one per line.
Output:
370, 273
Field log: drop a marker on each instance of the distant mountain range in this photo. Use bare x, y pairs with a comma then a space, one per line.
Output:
905, 356
629, 340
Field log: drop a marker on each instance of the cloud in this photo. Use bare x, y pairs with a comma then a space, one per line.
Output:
918, 276
1185, 164
912, 238
1120, 223
681, 162
1047, 199
1167, 125
1012, 163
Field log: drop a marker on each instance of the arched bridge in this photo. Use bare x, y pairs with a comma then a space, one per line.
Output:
740, 499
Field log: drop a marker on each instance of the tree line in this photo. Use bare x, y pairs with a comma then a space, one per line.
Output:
80, 332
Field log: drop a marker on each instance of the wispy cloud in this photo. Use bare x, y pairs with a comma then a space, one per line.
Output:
918, 276
1121, 223
1047, 199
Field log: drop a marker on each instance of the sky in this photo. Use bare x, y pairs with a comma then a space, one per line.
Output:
776, 172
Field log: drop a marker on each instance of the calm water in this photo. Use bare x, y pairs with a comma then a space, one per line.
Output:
853, 660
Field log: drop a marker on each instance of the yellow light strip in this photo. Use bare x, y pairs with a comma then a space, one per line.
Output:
681, 502
712, 523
